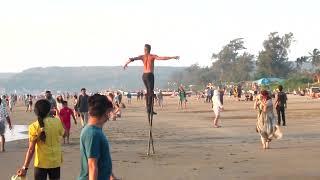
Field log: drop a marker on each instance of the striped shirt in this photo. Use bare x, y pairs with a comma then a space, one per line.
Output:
3, 113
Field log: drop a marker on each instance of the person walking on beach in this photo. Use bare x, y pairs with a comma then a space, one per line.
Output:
138, 95
210, 94
11, 102
83, 107
255, 89
266, 123
129, 96
75, 108
53, 103
59, 102
281, 105
222, 91
29, 103
239, 92
65, 115
45, 136
182, 97
4, 117
160, 99
217, 107
148, 76
96, 163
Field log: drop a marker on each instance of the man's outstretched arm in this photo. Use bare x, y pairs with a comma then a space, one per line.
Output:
166, 57
131, 60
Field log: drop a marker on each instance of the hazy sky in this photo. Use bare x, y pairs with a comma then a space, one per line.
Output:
101, 33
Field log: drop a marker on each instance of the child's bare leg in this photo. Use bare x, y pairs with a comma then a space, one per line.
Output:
263, 141
215, 122
68, 137
2, 143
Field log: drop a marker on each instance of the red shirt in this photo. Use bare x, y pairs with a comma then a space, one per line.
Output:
65, 115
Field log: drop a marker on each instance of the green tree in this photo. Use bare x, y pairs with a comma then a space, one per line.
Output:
315, 57
300, 61
273, 59
230, 65
243, 67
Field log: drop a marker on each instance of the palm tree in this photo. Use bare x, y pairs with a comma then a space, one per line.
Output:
315, 57
300, 61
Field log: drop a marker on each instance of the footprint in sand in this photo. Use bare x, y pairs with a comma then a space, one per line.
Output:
231, 154
221, 168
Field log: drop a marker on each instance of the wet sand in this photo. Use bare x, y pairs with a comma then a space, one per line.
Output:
188, 148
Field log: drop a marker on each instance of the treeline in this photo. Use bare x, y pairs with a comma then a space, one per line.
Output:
233, 63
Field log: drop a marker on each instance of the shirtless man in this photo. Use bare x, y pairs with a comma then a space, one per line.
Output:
148, 77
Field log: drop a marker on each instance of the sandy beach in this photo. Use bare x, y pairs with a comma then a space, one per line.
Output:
188, 148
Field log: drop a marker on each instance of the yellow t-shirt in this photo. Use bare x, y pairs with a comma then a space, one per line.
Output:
47, 154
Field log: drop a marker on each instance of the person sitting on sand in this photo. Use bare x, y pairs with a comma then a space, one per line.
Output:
266, 123
217, 107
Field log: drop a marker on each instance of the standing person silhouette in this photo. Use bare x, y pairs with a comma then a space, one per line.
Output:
148, 76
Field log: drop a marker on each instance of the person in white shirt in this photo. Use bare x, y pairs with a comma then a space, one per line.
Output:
217, 107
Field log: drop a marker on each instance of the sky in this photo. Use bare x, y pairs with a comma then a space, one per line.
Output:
41, 33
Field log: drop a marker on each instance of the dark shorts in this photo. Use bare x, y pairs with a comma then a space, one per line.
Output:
2, 128
41, 173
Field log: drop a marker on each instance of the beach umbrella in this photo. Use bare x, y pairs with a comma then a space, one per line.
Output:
265, 81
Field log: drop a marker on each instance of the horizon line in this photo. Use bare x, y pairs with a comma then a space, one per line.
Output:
14, 72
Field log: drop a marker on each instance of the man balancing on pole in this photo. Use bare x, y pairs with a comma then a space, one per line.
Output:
148, 77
